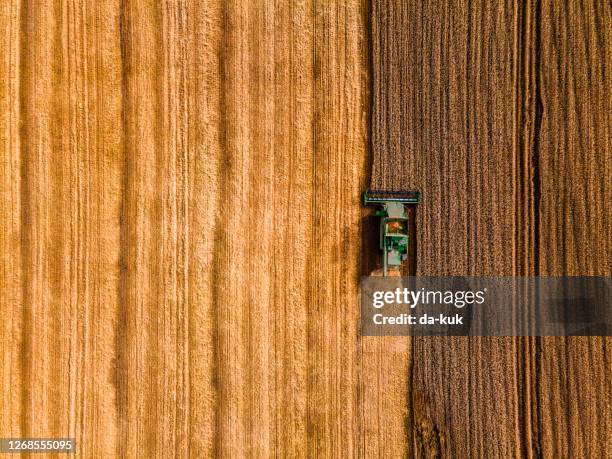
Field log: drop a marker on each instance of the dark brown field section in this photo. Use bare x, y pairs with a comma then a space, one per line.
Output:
500, 114
181, 230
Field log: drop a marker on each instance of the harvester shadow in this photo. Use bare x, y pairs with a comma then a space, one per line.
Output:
370, 245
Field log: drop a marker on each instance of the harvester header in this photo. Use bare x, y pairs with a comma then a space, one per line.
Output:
382, 196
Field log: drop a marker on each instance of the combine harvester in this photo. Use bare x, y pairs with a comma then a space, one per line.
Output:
394, 225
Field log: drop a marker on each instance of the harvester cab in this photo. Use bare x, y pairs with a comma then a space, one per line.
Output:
394, 225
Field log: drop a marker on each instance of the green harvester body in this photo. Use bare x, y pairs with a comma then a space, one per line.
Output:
394, 224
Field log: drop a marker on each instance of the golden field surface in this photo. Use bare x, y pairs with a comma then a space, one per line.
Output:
182, 236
